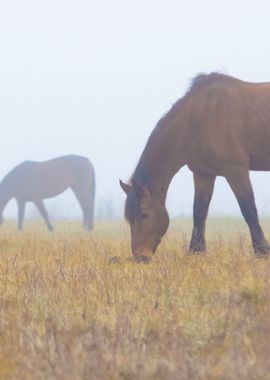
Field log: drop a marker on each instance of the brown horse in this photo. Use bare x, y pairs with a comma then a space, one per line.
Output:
34, 181
221, 127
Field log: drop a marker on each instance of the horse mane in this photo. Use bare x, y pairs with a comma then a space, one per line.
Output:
203, 79
196, 81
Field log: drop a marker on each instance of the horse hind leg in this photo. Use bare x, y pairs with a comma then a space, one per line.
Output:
83, 195
239, 182
204, 186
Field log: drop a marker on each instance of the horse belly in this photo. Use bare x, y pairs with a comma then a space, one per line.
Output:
259, 163
52, 192
42, 188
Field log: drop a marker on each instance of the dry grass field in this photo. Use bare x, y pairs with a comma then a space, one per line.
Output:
67, 313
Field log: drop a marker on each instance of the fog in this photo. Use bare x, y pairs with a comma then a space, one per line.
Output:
94, 77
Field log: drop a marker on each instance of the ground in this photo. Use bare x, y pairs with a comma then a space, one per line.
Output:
67, 312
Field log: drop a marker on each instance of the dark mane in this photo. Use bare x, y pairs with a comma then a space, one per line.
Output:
141, 174
197, 80
132, 202
205, 79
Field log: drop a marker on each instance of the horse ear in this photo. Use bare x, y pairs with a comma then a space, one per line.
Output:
126, 187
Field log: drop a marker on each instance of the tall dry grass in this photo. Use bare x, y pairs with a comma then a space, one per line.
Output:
67, 313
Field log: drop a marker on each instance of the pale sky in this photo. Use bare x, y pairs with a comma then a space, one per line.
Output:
94, 77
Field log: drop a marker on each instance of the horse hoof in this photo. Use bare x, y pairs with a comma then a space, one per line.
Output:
262, 255
140, 259
262, 252
192, 252
88, 228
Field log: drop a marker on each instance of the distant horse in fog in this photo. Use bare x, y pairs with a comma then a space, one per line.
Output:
33, 181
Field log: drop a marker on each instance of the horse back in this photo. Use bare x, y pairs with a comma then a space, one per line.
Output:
228, 122
34, 180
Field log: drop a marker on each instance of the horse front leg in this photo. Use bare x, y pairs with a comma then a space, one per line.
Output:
21, 210
41, 207
204, 186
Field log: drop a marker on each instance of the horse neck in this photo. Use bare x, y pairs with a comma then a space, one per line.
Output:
162, 158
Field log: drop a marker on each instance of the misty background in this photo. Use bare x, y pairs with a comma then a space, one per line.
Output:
94, 77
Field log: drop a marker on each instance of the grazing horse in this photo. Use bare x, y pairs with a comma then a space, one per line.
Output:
33, 181
221, 127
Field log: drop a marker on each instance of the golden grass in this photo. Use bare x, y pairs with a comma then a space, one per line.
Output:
67, 313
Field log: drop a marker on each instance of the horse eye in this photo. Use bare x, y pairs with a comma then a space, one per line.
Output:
144, 215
